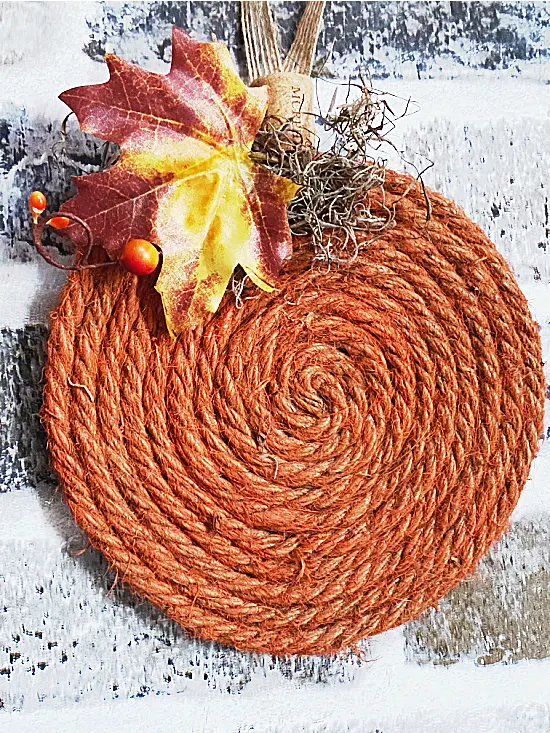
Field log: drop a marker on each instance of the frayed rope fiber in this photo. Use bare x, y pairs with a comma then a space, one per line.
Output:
314, 467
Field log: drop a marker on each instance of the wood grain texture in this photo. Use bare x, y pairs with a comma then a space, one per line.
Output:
440, 38
23, 459
499, 614
27, 162
498, 173
83, 637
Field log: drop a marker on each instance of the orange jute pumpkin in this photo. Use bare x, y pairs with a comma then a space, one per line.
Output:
314, 467
323, 462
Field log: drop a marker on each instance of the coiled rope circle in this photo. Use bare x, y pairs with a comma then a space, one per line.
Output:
316, 466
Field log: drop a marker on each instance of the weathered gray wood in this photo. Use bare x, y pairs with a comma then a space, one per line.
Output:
498, 171
23, 459
69, 634
28, 162
80, 628
500, 614
438, 36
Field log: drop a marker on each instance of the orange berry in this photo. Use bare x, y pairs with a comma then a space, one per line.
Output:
139, 257
59, 222
37, 204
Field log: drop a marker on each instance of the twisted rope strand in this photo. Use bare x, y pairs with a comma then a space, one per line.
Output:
319, 465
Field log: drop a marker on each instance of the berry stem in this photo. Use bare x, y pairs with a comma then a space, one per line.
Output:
81, 262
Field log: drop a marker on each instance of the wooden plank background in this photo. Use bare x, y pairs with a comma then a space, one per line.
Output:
76, 650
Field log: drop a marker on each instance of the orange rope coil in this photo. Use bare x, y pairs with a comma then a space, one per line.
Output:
316, 466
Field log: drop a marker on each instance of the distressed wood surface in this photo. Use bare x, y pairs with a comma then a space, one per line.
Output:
77, 649
23, 460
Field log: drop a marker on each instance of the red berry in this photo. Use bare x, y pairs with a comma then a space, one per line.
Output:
139, 257
59, 222
37, 204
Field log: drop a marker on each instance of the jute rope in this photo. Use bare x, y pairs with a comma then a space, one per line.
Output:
318, 465
289, 83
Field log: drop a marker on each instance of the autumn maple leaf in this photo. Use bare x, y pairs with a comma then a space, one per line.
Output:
184, 179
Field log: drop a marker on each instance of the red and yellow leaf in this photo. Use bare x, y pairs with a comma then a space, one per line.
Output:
184, 179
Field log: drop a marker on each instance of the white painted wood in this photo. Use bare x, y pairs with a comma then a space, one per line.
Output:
487, 132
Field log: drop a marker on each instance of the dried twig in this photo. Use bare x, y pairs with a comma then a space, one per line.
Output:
82, 254
334, 203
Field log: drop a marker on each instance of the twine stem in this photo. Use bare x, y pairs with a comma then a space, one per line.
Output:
302, 52
260, 42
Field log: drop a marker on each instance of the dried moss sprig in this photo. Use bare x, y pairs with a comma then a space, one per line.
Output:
334, 202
